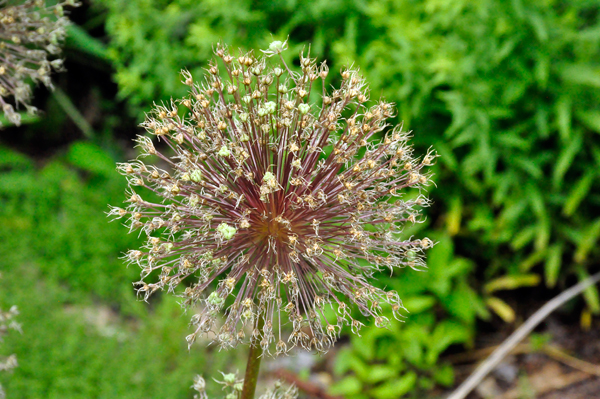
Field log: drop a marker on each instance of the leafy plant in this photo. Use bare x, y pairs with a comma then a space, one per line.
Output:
59, 256
514, 87
52, 214
507, 92
73, 347
152, 40
404, 359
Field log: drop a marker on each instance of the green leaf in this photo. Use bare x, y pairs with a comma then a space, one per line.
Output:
578, 193
543, 233
437, 261
71, 110
378, 373
529, 166
418, 304
539, 26
444, 375
14, 160
541, 121
587, 242
396, 388
344, 360
464, 303
512, 140
581, 74
90, 158
596, 155
563, 117
536, 200
80, 40
591, 293
446, 155
413, 350
366, 345
26, 118
524, 237
349, 361
552, 265
590, 119
566, 158
511, 212
446, 333
347, 386
454, 215
539, 341
532, 260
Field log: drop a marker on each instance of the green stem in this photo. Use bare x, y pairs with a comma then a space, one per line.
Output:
251, 377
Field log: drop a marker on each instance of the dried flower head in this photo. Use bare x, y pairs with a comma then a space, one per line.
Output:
286, 204
280, 392
232, 386
30, 31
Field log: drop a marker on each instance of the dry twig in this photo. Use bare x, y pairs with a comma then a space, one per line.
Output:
520, 333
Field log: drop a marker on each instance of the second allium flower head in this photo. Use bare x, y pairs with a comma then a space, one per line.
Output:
287, 206
30, 31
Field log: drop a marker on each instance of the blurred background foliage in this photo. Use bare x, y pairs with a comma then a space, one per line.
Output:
507, 91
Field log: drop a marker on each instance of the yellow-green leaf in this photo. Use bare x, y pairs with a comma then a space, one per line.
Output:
587, 242
552, 265
501, 308
454, 216
591, 293
512, 282
532, 260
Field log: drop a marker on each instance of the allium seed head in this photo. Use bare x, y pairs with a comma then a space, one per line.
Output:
283, 208
30, 31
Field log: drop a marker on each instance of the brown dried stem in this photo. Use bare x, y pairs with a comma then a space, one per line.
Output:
507, 346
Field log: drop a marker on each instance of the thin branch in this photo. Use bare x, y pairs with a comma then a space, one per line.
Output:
520, 333
565, 358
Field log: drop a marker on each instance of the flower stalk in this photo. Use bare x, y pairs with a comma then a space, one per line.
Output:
252, 368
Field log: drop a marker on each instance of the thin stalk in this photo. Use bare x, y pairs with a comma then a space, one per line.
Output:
251, 377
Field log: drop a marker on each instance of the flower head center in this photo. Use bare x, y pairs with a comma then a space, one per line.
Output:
274, 228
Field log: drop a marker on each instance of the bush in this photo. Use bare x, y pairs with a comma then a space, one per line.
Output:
514, 89
74, 348
506, 92
56, 216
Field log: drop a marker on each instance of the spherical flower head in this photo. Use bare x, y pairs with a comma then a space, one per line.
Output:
30, 31
279, 203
